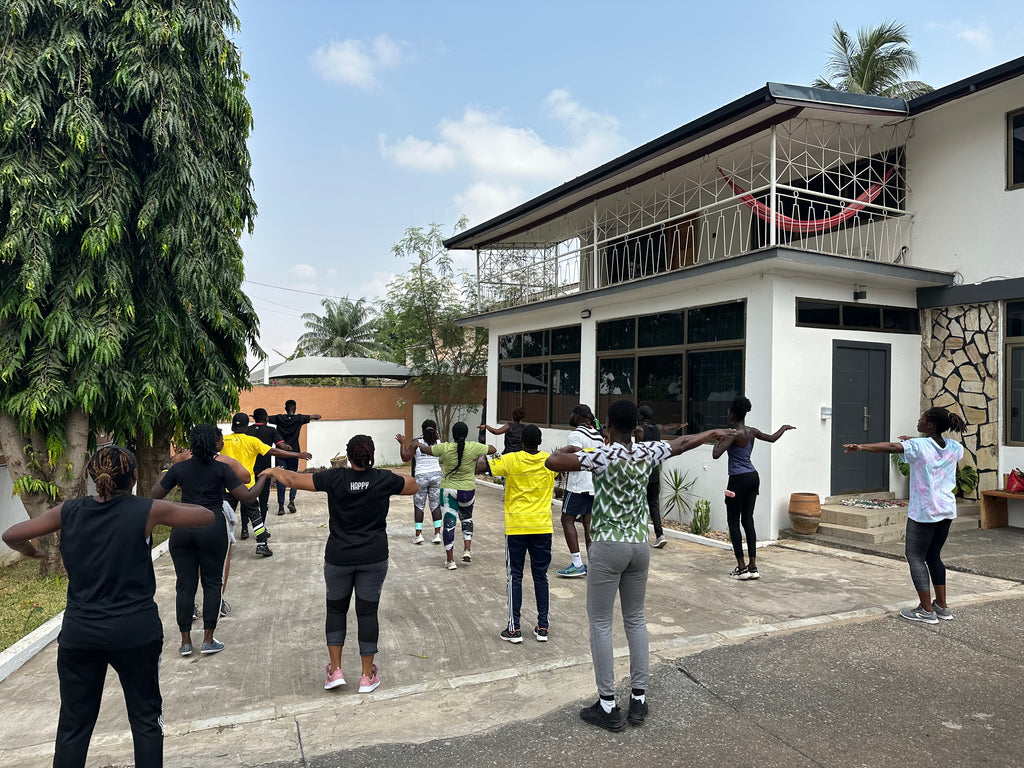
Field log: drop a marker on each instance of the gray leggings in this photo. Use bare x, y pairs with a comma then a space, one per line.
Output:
366, 581
618, 567
924, 547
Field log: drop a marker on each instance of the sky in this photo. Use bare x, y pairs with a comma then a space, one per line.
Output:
373, 117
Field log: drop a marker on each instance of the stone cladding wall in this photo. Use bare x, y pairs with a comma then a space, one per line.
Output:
960, 371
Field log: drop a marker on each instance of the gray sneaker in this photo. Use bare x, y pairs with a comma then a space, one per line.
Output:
943, 613
919, 614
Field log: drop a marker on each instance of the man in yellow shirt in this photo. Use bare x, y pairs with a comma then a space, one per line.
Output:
529, 486
245, 448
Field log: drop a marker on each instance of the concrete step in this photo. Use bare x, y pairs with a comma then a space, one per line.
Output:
854, 517
838, 498
876, 535
965, 523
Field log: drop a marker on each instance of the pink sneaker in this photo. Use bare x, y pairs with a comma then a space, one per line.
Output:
369, 684
334, 679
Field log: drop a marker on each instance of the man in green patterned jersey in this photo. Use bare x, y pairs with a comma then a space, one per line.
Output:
619, 555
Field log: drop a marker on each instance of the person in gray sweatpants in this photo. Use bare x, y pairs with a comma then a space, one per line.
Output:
619, 555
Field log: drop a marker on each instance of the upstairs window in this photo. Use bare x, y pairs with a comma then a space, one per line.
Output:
1015, 150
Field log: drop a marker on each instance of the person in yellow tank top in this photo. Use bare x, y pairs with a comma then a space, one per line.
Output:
529, 487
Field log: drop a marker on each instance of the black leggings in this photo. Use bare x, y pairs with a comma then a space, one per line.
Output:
924, 547
654, 501
81, 673
740, 511
198, 555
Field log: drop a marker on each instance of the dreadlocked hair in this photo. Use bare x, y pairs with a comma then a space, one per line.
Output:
459, 433
112, 469
584, 412
202, 441
429, 432
360, 451
945, 421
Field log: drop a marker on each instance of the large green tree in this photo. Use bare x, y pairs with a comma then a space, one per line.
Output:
345, 329
878, 62
124, 187
419, 322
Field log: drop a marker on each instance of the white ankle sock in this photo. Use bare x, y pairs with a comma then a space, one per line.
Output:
642, 698
576, 559
607, 705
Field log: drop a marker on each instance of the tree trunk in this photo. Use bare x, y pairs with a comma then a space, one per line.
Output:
27, 460
152, 456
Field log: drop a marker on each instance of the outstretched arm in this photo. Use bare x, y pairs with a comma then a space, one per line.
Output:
495, 430
873, 447
408, 451
250, 495
177, 515
759, 435
685, 443
291, 454
722, 446
18, 537
302, 481
564, 459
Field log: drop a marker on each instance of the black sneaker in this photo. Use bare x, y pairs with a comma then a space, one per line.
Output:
541, 633
291, 506
637, 711
225, 608
245, 533
264, 550
595, 715
740, 574
512, 637
195, 611
280, 510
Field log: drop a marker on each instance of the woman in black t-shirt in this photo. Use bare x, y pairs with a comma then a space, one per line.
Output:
356, 556
513, 431
199, 553
111, 618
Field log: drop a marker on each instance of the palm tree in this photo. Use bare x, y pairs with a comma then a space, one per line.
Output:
346, 329
876, 63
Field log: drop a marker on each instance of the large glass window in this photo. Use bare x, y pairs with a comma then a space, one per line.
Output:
1015, 150
686, 365
814, 313
540, 372
1014, 360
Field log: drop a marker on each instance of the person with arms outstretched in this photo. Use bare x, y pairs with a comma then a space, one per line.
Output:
932, 506
289, 424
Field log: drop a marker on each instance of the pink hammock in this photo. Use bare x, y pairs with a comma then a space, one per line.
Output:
789, 224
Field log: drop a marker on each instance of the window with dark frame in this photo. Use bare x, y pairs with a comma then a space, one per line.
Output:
540, 372
1014, 361
687, 365
815, 313
1015, 150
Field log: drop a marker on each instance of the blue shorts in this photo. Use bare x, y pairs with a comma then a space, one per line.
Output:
577, 504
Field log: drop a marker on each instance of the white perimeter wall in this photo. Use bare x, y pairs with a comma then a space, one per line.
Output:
11, 511
964, 218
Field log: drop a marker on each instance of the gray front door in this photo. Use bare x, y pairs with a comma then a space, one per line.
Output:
860, 414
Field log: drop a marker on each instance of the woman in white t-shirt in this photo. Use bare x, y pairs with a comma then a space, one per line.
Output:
427, 471
932, 507
579, 490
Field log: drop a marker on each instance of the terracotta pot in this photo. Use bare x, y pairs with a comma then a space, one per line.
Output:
804, 512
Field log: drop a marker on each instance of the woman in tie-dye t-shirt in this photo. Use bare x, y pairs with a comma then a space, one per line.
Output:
932, 507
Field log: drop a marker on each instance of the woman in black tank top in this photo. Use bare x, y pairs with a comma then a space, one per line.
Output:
513, 431
111, 618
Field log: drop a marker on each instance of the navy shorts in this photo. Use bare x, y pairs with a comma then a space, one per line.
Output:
577, 504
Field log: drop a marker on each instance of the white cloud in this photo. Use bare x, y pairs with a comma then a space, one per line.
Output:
505, 161
302, 271
356, 62
377, 285
417, 154
978, 35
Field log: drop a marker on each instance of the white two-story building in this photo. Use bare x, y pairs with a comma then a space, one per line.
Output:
844, 261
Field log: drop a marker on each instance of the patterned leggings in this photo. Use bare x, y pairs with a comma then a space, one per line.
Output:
460, 504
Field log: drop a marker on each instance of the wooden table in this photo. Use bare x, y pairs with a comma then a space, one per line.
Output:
993, 507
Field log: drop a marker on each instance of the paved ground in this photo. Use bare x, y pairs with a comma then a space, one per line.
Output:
806, 667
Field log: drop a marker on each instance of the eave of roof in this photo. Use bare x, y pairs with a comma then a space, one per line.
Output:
967, 86
771, 94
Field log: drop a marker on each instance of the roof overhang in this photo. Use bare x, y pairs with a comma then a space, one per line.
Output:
317, 367
783, 262
747, 116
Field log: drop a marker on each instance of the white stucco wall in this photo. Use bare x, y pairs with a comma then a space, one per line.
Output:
964, 218
11, 511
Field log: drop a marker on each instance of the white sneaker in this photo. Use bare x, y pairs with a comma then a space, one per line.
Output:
451, 565
467, 557
418, 539
437, 538
659, 542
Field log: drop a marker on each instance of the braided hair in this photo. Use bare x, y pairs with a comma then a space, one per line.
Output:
202, 441
459, 433
945, 421
584, 412
112, 469
429, 428
360, 451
